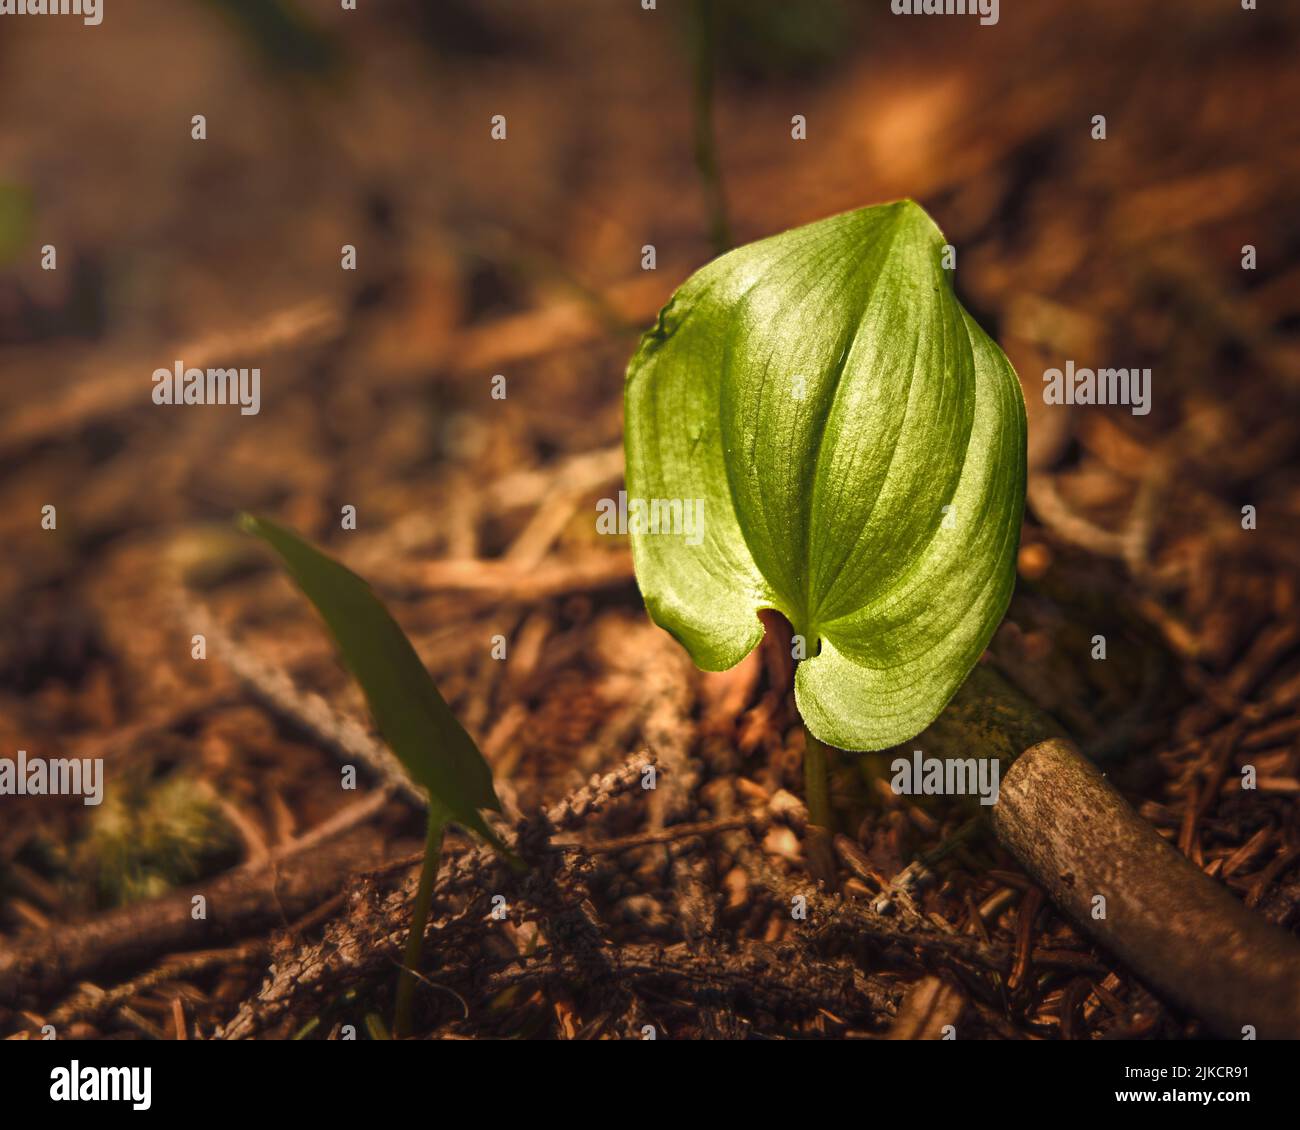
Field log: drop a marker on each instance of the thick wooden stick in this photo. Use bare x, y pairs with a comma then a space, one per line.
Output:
245, 901
1179, 930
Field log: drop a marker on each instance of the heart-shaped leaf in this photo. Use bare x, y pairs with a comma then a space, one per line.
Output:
855, 445
412, 716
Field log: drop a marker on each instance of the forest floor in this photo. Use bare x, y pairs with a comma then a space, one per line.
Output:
668, 907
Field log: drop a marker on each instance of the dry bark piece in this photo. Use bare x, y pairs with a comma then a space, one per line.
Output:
930, 1007
1179, 930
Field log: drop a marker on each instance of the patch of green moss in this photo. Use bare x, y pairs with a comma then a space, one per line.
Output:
148, 837
15, 220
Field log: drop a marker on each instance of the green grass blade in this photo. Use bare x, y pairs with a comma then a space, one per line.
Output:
412, 716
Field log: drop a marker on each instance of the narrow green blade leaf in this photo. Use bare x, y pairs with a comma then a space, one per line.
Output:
411, 715
858, 444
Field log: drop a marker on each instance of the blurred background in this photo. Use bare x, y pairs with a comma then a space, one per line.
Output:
523, 257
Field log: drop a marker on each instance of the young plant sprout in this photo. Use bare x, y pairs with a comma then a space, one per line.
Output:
410, 714
859, 446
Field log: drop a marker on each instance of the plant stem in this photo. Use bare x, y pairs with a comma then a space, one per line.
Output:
419, 919
816, 780
702, 39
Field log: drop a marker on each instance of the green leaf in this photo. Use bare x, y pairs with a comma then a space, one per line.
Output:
826, 396
411, 715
